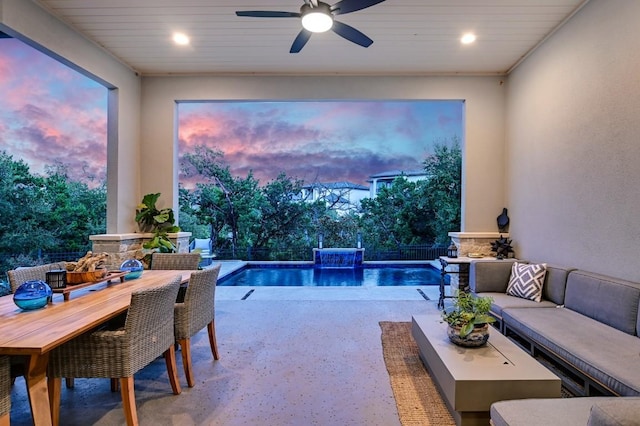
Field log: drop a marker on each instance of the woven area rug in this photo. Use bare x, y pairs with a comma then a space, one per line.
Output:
417, 398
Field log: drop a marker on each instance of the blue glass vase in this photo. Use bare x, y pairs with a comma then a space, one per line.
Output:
32, 295
135, 268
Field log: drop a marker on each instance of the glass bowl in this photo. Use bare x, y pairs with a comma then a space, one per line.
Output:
134, 267
33, 294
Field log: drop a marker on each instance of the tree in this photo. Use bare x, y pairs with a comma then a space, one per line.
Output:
24, 209
444, 188
76, 211
50, 213
283, 217
399, 215
226, 202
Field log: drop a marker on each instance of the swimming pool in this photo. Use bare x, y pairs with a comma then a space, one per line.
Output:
316, 277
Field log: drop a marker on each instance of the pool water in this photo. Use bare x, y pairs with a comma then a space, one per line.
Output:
360, 277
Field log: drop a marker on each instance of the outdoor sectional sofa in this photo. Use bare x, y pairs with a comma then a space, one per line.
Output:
585, 329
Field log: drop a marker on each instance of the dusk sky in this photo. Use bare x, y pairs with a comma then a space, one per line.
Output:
320, 141
52, 114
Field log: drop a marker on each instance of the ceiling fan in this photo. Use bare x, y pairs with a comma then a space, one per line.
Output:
318, 16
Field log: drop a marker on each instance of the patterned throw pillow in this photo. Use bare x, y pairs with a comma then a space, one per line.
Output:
526, 280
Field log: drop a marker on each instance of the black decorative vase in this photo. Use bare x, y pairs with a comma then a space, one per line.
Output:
503, 221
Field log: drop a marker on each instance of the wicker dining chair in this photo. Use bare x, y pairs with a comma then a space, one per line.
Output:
21, 275
5, 391
147, 334
17, 277
195, 313
183, 261
178, 261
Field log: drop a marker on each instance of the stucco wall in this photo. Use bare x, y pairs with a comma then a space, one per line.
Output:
483, 172
25, 20
573, 163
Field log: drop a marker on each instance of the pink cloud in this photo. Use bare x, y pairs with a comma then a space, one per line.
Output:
326, 141
57, 116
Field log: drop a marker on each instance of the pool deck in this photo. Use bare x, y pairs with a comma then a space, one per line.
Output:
289, 356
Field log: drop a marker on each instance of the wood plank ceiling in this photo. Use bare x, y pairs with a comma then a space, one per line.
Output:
410, 36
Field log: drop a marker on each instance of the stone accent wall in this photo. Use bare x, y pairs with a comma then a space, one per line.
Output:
475, 242
129, 246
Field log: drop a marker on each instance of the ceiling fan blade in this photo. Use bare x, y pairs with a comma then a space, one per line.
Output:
302, 39
267, 14
351, 34
348, 6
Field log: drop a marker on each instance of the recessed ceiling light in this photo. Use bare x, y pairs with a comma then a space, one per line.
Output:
180, 39
468, 38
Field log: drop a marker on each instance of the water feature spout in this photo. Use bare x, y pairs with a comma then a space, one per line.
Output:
338, 257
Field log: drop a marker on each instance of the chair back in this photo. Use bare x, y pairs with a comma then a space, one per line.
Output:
149, 323
199, 302
5, 387
182, 261
21, 275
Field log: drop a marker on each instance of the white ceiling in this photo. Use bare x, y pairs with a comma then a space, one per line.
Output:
410, 36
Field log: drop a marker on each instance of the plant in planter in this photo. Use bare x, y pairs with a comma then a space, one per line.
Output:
150, 219
468, 319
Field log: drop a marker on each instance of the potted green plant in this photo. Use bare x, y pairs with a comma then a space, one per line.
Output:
160, 222
468, 319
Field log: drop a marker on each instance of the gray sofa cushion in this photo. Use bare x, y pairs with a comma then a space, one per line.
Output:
608, 355
493, 277
544, 412
503, 301
490, 275
555, 283
608, 300
618, 412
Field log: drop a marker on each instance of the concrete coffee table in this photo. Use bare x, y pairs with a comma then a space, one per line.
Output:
471, 379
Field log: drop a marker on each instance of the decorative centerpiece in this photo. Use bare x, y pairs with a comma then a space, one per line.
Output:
89, 268
502, 247
134, 267
32, 295
468, 320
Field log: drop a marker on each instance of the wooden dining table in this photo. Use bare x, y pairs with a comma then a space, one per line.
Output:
35, 333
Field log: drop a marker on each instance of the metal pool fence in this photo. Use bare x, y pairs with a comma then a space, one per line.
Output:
410, 252
413, 252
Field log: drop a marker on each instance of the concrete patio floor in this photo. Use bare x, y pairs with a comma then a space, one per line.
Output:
289, 356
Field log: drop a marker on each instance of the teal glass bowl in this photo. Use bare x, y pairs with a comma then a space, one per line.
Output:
134, 267
32, 295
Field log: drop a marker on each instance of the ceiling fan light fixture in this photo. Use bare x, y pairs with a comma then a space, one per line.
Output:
317, 19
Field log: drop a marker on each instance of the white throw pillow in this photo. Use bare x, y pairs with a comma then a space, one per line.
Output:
526, 280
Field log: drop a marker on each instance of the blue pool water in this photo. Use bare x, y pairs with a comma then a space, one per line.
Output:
362, 277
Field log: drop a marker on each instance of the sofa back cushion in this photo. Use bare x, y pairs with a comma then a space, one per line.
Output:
555, 283
490, 275
609, 300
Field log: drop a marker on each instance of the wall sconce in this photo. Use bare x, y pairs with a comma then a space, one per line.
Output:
320, 239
